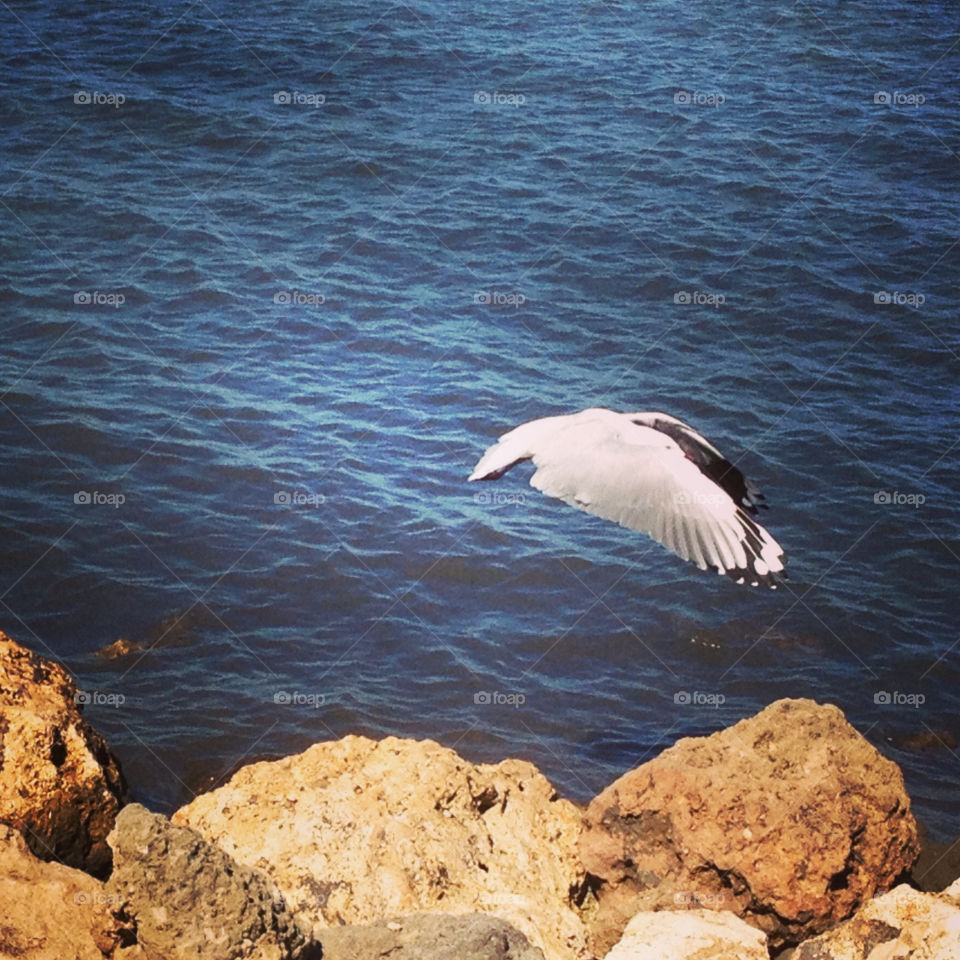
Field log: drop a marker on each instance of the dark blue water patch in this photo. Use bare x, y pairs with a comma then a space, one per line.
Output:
355, 246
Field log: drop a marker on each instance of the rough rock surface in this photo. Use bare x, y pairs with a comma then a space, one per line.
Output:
690, 935
189, 899
788, 818
50, 912
60, 785
430, 936
357, 829
899, 924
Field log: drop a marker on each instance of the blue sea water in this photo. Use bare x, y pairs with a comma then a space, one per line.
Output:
274, 275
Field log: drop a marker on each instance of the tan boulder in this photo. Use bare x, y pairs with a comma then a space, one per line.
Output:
50, 912
357, 829
689, 935
60, 785
789, 818
901, 923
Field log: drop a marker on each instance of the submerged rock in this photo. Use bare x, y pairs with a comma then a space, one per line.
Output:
183, 628
926, 740
121, 647
790, 819
357, 829
60, 785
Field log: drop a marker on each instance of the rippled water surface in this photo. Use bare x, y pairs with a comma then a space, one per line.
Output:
274, 276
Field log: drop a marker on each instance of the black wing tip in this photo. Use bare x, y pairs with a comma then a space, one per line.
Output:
748, 576
753, 579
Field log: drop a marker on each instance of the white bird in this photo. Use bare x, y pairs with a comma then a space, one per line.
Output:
650, 472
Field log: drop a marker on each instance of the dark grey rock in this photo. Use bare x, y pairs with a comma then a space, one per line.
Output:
429, 936
191, 899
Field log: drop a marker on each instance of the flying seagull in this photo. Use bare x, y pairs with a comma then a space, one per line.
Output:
650, 472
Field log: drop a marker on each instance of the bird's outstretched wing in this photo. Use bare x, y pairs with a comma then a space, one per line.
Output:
706, 456
642, 477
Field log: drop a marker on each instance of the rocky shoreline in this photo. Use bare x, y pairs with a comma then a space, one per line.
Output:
785, 835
